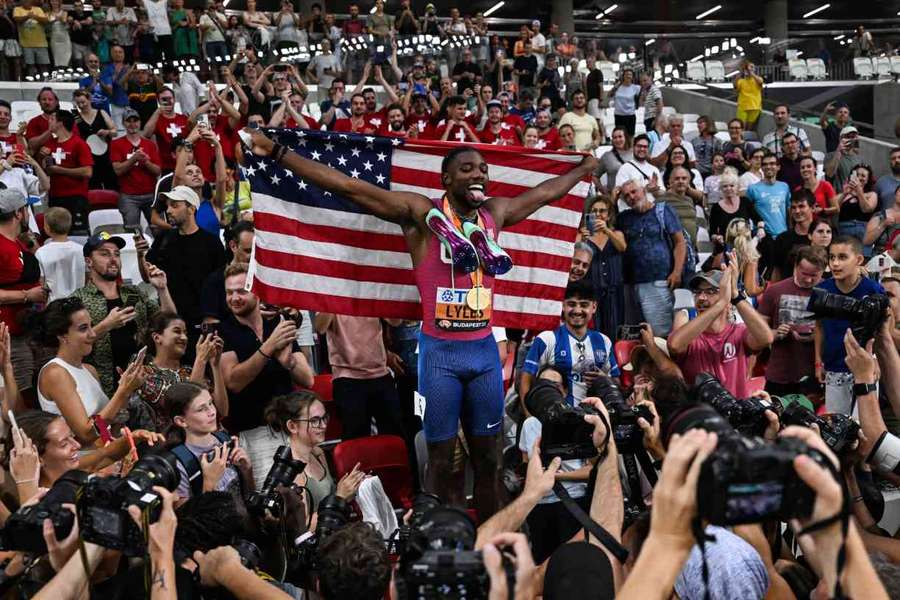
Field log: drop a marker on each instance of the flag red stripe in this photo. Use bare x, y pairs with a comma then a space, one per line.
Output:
532, 290
332, 268
325, 233
363, 307
526, 320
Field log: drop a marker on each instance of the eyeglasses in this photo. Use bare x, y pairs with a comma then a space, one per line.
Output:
315, 422
600, 211
580, 347
706, 292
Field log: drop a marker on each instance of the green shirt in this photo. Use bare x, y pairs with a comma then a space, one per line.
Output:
95, 303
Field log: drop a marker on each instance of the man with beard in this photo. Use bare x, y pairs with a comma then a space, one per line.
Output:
357, 123
396, 124
886, 185
260, 358
460, 375
495, 130
118, 310
165, 124
711, 342
640, 168
580, 353
549, 135
187, 254
587, 131
40, 127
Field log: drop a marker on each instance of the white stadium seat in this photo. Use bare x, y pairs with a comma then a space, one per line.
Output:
109, 219
863, 67
23, 111
608, 70
683, 299
883, 67
690, 118
722, 136
669, 110
816, 68
797, 69
696, 71
715, 70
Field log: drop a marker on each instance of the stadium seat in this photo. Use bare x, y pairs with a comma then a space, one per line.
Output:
608, 70
797, 69
690, 119
131, 270
109, 219
24, 111
863, 67
696, 71
683, 299
323, 387
382, 455
895, 66
100, 199
882, 67
63, 105
702, 234
722, 136
721, 126
715, 70
816, 68
622, 350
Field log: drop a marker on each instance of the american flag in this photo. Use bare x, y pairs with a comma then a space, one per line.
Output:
319, 251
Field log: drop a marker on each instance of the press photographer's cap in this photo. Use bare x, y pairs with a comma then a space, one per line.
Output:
579, 571
98, 239
183, 193
11, 200
713, 278
848, 130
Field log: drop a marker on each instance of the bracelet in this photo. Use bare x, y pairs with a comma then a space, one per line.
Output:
857, 499
21, 481
264, 354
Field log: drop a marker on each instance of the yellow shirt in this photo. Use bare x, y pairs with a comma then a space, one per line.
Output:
31, 32
245, 202
749, 94
584, 127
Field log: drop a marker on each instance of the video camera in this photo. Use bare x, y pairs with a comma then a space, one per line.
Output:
284, 471
838, 431
865, 314
746, 415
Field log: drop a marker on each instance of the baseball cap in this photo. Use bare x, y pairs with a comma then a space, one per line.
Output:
579, 570
11, 200
182, 193
496, 103
848, 130
429, 6
100, 238
535, 23
130, 113
713, 278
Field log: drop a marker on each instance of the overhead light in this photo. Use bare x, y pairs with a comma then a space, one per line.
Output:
765, 41
372, 12
650, 42
754, 40
799, 54
696, 58
733, 42
494, 8
732, 74
610, 9
839, 37
816, 11
709, 12
715, 49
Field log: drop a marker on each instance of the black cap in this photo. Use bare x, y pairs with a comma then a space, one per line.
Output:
98, 239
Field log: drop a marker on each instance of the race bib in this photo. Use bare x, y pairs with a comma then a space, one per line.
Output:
453, 313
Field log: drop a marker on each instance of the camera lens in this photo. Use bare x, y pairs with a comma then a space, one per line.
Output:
447, 528
154, 469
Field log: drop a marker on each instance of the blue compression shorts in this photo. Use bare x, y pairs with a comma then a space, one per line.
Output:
460, 379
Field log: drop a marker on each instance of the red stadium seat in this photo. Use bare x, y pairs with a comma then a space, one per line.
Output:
382, 455
100, 199
622, 349
322, 387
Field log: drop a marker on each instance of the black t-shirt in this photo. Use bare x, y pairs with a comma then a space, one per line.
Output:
719, 219
83, 36
832, 135
123, 339
246, 407
255, 107
187, 261
212, 296
529, 64
465, 83
594, 84
789, 172
785, 250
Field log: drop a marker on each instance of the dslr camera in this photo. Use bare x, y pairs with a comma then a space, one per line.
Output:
103, 503
865, 314
746, 415
840, 432
334, 513
564, 432
623, 419
439, 560
746, 480
24, 528
283, 471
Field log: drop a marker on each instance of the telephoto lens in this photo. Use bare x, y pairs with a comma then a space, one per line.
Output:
564, 432
747, 415
284, 471
623, 419
865, 314
839, 432
24, 529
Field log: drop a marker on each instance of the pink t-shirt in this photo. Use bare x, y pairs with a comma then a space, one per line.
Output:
722, 355
356, 348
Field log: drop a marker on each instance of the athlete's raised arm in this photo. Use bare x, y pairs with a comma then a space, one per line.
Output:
509, 211
403, 208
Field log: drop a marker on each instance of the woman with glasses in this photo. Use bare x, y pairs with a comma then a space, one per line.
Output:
299, 420
69, 387
218, 459
166, 340
678, 157
605, 272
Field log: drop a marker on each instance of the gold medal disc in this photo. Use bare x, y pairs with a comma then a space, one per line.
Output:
478, 298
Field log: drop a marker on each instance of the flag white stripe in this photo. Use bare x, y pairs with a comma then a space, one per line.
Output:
279, 242
527, 305
313, 215
335, 286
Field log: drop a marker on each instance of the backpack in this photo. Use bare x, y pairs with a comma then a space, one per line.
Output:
192, 465
690, 256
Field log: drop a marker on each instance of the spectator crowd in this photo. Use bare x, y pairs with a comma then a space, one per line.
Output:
698, 254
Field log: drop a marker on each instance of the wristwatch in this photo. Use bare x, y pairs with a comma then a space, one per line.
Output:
742, 295
861, 389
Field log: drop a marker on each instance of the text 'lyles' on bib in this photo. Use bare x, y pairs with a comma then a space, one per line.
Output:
458, 309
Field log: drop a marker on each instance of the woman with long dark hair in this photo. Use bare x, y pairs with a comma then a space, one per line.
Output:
605, 272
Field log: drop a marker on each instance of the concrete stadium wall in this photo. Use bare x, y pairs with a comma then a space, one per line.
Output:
873, 152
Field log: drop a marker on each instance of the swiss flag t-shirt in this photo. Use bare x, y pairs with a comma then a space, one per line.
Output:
71, 154
138, 181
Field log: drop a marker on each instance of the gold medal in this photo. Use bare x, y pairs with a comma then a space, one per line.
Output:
478, 298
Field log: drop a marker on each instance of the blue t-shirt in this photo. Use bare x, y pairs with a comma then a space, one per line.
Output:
120, 94
207, 219
573, 357
833, 353
99, 99
771, 202
886, 188
648, 256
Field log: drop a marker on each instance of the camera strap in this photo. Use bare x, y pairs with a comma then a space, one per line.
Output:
589, 525
634, 480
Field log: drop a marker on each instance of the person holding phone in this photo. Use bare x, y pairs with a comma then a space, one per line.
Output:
844, 160
606, 272
749, 87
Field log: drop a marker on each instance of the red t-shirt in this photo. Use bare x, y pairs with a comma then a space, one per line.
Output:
166, 130
550, 140
19, 270
723, 355
38, 125
385, 131
138, 181
506, 137
422, 123
457, 134
824, 193
205, 154
7, 143
290, 123
515, 120
72, 153
377, 118
346, 125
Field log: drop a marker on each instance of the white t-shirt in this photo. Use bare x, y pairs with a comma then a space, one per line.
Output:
746, 180
158, 16
62, 264
663, 144
319, 63
642, 171
531, 430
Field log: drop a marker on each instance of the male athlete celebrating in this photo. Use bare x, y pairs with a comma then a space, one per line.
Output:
452, 242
